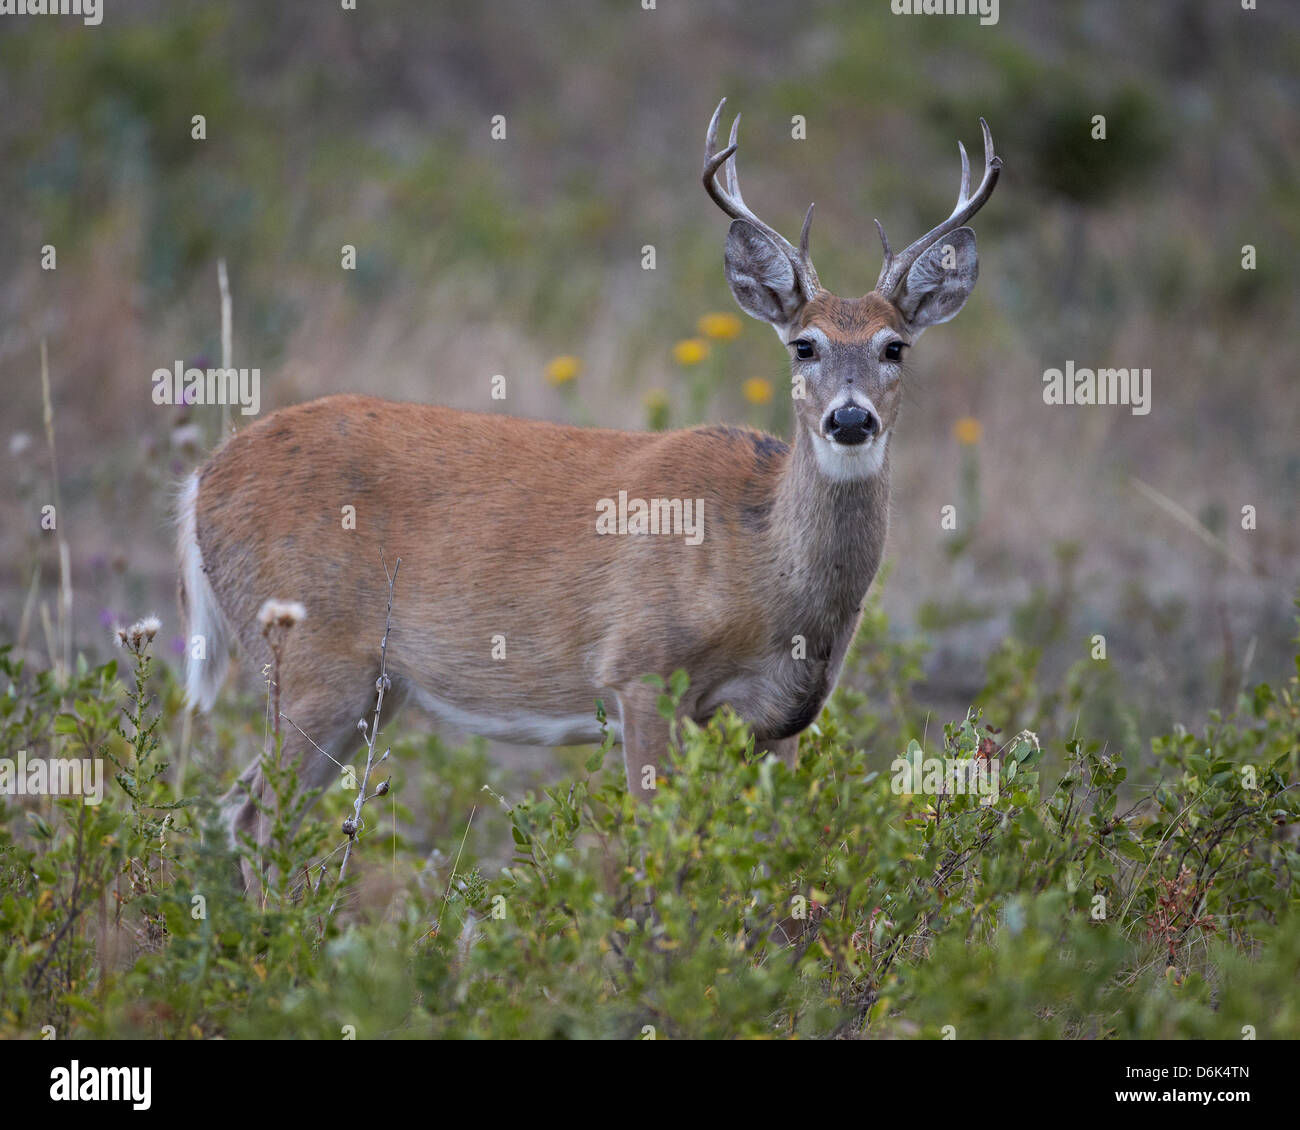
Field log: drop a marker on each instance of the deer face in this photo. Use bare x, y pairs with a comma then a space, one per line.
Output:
846, 354
846, 369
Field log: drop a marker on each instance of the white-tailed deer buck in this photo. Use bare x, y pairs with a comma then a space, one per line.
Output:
520, 599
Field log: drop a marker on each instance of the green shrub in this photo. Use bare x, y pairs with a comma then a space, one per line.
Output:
746, 900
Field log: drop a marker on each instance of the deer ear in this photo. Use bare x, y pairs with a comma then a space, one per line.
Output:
761, 275
940, 281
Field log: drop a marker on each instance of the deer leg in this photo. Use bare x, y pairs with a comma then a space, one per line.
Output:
327, 741
646, 734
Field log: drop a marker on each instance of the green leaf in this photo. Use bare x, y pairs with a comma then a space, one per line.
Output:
1131, 849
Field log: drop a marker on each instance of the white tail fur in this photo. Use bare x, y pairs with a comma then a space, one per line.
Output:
205, 672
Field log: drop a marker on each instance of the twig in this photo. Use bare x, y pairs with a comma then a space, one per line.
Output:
313, 741
455, 863
353, 826
25, 621
1185, 518
64, 662
227, 349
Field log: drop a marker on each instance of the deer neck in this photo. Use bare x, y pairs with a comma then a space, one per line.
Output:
828, 534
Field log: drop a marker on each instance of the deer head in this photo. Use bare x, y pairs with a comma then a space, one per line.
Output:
846, 354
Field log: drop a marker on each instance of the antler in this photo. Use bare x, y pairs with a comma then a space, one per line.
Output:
731, 202
895, 267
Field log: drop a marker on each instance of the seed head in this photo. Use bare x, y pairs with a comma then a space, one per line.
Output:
139, 635
280, 614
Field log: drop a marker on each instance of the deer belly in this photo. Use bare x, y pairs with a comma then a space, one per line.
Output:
514, 722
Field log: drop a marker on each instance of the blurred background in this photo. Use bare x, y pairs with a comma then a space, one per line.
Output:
524, 256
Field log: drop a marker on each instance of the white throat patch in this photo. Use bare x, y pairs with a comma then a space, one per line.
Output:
845, 463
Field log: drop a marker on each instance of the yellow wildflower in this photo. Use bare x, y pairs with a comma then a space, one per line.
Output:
691, 351
758, 391
967, 430
561, 370
720, 327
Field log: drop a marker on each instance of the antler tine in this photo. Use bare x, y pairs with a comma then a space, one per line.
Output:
711, 135
803, 236
884, 242
728, 197
729, 169
710, 142
895, 267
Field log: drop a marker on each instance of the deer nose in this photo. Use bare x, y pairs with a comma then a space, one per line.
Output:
852, 425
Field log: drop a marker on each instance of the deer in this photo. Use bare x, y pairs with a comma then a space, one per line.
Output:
514, 611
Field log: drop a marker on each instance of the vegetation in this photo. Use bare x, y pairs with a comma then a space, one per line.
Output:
747, 900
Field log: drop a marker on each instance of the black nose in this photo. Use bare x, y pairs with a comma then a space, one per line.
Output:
852, 425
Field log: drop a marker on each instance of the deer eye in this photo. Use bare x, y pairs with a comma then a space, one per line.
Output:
894, 351
804, 350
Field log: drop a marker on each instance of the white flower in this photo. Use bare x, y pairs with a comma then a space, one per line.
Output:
139, 634
280, 614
